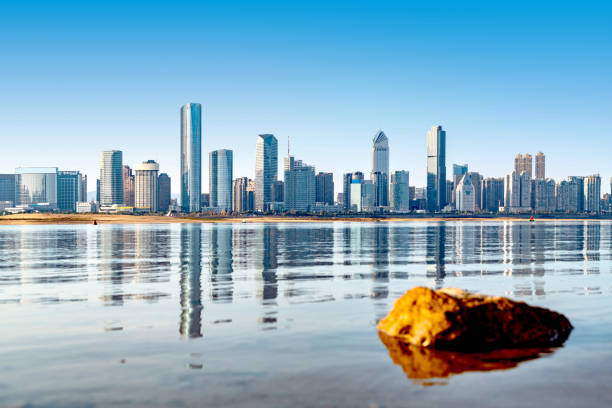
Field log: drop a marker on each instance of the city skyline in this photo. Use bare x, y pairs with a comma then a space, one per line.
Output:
508, 91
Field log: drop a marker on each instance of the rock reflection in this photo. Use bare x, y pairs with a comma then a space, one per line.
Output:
191, 286
434, 367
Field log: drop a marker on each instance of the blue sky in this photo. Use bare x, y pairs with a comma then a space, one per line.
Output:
500, 77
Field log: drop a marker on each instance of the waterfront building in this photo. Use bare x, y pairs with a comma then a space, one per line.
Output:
513, 191
83, 191
299, 185
68, 190
540, 166
380, 165
523, 164
436, 169
380, 183
221, 176
86, 207
347, 179
266, 170
191, 157
592, 193
544, 192
146, 186
400, 190
251, 188
240, 196
492, 194
324, 188
205, 200
476, 180
36, 186
362, 195
566, 192
111, 177
526, 191
165, 192
7, 188
128, 186
458, 171
579, 180
356, 193
98, 191
464, 200
278, 191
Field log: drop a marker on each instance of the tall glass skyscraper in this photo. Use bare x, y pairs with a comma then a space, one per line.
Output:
36, 185
191, 157
111, 177
220, 179
266, 170
7, 188
436, 168
380, 168
68, 190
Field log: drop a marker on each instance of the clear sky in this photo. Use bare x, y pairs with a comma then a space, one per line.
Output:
500, 77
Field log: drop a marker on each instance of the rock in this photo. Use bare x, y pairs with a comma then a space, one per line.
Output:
453, 319
422, 365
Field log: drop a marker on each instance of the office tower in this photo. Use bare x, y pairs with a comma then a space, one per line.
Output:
83, 195
111, 177
7, 188
164, 184
36, 186
127, 177
476, 180
324, 188
540, 166
436, 169
362, 195
251, 188
523, 164
239, 196
566, 192
221, 176
513, 190
492, 194
205, 200
340, 199
278, 191
347, 179
266, 170
68, 190
191, 157
526, 190
368, 196
592, 193
579, 180
380, 165
400, 190
98, 190
380, 182
465, 195
146, 186
544, 193
458, 171
299, 185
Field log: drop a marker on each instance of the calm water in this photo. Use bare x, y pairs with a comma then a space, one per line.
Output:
285, 314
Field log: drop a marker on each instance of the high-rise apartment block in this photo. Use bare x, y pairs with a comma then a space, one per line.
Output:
544, 195
128, 186
540, 166
241, 200
146, 188
266, 170
567, 195
165, 192
436, 169
476, 181
191, 157
111, 177
492, 194
523, 164
592, 193
221, 176
324, 186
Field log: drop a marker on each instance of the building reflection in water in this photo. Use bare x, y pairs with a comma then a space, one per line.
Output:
221, 267
117, 261
268, 264
190, 280
380, 269
435, 252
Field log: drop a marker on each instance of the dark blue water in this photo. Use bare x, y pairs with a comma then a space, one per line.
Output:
285, 314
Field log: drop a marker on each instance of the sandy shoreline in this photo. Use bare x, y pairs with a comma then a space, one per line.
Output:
33, 219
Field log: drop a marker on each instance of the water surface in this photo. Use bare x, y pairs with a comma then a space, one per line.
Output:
285, 314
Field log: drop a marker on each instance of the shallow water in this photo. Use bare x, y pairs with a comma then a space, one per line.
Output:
285, 314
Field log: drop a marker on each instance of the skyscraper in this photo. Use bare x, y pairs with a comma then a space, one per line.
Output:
239, 195
400, 190
492, 194
523, 164
7, 188
346, 190
592, 193
165, 192
544, 195
436, 168
380, 166
277, 194
68, 190
83, 195
299, 185
146, 190
324, 186
476, 180
191, 157
128, 186
266, 169
465, 194
221, 176
36, 185
111, 177
540, 166
458, 171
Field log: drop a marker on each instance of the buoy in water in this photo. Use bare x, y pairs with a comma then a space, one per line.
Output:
95, 222
531, 219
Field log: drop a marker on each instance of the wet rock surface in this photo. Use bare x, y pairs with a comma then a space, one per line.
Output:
453, 319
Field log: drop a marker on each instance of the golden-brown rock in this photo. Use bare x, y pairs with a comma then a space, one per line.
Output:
453, 319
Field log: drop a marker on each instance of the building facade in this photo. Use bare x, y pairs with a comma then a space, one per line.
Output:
191, 157
221, 175
36, 186
7, 188
523, 164
458, 171
380, 183
540, 166
400, 190
592, 194
436, 169
380, 168
545, 198
492, 194
266, 170
299, 185
324, 188
128, 186
164, 184
111, 177
68, 190
146, 191
465, 195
